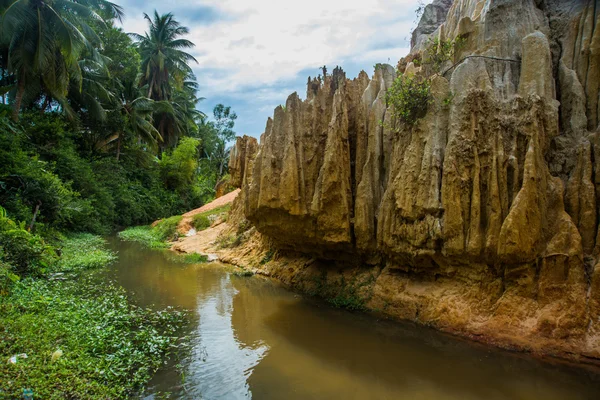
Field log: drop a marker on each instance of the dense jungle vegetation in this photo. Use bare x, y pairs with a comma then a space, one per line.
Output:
99, 129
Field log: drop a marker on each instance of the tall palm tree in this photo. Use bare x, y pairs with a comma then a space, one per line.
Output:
163, 56
134, 114
44, 40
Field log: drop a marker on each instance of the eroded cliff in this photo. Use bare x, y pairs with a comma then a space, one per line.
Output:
481, 218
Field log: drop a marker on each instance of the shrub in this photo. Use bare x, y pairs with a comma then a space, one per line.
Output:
25, 253
410, 97
200, 222
438, 52
166, 229
178, 169
144, 235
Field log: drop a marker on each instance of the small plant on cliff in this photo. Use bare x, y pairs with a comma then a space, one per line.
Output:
410, 96
439, 51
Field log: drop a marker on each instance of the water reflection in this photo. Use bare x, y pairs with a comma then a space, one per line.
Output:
251, 338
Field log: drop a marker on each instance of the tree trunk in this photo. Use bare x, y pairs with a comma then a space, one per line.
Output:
151, 86
118, 147
35, 213
18, 99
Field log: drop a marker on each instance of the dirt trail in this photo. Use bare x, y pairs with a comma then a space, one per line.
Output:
186, 222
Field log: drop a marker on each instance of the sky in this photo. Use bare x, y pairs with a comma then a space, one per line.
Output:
252, 54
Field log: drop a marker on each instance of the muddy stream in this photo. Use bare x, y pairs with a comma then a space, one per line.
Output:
251, 338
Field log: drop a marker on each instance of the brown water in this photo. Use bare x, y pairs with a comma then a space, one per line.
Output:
251, 338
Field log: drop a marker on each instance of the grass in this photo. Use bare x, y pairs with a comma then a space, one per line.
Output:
144, 235
166, 229
83, 251
200, 222
243, 272
191, 258
342, 294
154, 237
110, 348
204, 220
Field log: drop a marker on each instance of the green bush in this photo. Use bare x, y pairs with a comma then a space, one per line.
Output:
200, 222
144, 235
25, 253
156, 237
166, 229
178, 169
7, 277
437, 52
410, 97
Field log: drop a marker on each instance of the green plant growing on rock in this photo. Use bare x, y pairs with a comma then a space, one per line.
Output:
166, 229
439, 51
243, 272
268, 257
201, 222
154, 237
409, 97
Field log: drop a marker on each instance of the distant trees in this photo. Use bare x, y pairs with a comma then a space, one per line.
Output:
216, 137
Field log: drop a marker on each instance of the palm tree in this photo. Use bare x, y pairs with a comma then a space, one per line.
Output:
44, 40
134, 115
163, 58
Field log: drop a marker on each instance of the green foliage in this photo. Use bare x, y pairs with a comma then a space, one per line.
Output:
191, 258
166, 229
204, 220
7, 277
243, 273
215, 137
110, 348
144, 235
22, 253
178, 169
84, 251
156, 237
410, 97
44, 43
439, 52
200, 222
268, 257
42, 163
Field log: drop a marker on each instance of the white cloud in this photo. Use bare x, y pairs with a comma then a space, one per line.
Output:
262, 43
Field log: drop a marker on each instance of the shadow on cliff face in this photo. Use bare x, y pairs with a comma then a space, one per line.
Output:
413, 359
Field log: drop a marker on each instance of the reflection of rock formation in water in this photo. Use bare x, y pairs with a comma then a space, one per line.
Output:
484, 214
220, 364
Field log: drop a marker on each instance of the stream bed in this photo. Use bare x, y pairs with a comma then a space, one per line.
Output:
251, 338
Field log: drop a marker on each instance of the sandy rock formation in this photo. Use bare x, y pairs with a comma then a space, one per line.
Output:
482, 218
242, 153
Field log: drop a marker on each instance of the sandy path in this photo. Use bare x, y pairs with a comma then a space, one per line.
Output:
185, 223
